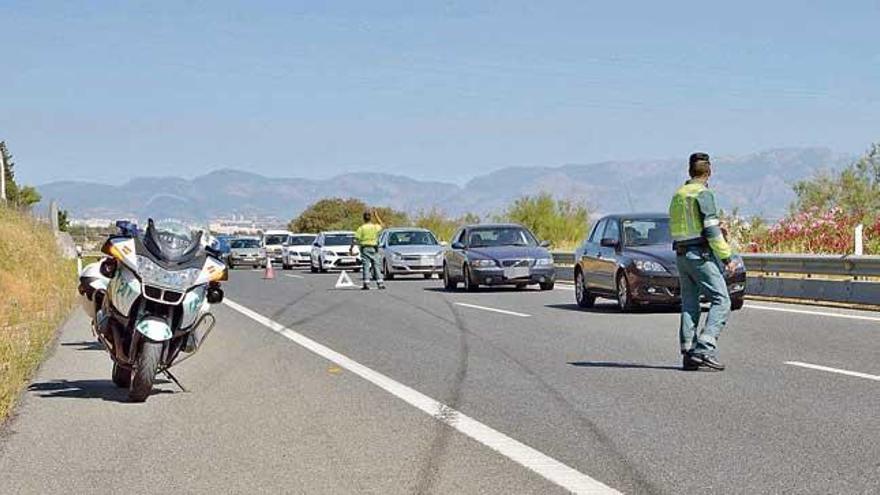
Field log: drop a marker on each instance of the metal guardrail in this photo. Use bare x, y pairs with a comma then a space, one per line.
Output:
808, 264
794, 276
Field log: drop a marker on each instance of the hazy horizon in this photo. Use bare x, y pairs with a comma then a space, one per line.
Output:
462, 182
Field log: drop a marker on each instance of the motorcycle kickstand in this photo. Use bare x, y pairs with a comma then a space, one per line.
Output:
175, 380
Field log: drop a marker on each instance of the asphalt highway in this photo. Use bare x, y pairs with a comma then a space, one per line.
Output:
303, 388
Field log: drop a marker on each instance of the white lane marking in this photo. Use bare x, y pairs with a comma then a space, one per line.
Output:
813, 313
564, 287
494, 310
293, 276
551, 469
834, 370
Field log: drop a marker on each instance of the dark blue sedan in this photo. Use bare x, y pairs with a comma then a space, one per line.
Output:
497, 254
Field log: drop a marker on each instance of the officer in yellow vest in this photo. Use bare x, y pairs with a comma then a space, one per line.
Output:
367, 239
703, 256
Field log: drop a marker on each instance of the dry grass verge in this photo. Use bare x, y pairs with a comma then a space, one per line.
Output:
37, 290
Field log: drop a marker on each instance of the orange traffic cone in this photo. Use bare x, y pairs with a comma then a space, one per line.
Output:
269, 274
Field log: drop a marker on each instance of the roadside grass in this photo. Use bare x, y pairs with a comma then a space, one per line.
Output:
37, 290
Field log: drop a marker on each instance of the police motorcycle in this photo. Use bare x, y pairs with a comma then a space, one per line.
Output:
150, 300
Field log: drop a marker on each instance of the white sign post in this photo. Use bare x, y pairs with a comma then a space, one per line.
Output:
2, 174
860, 244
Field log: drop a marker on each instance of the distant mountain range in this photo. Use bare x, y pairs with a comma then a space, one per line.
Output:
757, 184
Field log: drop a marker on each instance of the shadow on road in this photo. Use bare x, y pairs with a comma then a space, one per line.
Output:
86, 389
85, 345
612, 309
635, 366
481, 290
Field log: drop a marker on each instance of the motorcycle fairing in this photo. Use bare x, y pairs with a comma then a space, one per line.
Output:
212, 271
154, 328
124, 289
194, 304
123, 249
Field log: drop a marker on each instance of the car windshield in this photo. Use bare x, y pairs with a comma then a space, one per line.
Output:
275, 239
646, 232
301, 240
338, 239
245, 243
501, 236
411, 238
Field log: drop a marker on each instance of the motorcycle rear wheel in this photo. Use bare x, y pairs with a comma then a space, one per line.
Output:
145, 371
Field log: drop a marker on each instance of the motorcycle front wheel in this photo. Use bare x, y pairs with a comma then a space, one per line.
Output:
145, 371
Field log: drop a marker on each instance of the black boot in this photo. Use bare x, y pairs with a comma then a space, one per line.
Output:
688, 363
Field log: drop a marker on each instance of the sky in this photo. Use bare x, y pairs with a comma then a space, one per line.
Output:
447, 90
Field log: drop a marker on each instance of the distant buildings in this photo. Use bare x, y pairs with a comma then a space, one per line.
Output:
236, 224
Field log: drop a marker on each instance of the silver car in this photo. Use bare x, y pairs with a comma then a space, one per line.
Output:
410, 251
244, 251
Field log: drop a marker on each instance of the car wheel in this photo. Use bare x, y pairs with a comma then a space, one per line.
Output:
321, 266
448, 283
547, 285
312, 266
736, 303
285, 266
386, 271
230, 264
581, 293
469, 284
624, 295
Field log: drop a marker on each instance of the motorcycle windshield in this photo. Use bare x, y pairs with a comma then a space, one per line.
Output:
172, 241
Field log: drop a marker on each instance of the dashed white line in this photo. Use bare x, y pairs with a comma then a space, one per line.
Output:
542, 464
856, 374
293, 276
813, 313
494, 310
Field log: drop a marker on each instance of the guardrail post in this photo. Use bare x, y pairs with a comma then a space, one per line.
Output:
860, 246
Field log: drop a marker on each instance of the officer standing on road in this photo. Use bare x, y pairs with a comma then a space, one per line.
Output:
367, 238
702, 258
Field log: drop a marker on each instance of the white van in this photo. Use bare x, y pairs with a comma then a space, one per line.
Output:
272, 243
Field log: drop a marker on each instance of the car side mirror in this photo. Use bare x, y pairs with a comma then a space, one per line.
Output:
457, 245
545, 244
610, 242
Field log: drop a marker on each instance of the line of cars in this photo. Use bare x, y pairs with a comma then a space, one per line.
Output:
627, 258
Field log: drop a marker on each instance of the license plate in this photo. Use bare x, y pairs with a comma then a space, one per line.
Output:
517, 272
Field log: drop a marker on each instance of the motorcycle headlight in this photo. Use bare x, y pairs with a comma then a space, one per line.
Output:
153, 274
483, 263
544, 262
650, 266
739, 264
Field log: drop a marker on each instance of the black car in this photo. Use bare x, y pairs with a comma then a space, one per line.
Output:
497, 254
630, 258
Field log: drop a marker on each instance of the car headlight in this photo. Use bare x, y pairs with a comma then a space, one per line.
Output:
738, 264
396, 256
483, 263
153, 274
650, 266
328, 253
544, 262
